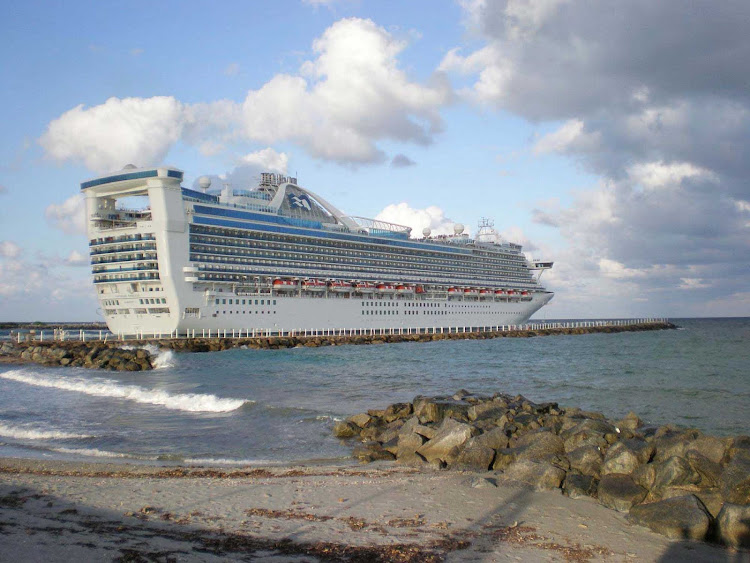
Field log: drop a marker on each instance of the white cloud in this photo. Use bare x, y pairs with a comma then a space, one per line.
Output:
693, 283
657, 174
266, 160
76, 258
431, 217
9, 249
570, 136
68, 216
339, 105
616, 270
120, 131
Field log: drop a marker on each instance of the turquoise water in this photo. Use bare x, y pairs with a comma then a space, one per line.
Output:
265, 406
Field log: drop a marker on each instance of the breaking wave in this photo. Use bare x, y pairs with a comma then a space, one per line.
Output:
100, 387
23, 433
93, 452
160, 357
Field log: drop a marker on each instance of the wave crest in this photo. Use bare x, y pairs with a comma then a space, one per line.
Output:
100, 387
24, 433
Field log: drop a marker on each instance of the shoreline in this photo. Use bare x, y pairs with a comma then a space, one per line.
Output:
379, 512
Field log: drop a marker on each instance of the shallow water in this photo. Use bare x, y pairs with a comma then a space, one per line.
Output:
265, 406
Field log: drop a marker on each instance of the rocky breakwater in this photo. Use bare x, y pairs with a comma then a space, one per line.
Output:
676, 481
78, 354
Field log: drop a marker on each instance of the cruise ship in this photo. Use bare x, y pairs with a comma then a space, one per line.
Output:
278, 259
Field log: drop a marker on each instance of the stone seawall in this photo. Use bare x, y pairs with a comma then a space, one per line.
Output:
675, 481
112, 355
98, 355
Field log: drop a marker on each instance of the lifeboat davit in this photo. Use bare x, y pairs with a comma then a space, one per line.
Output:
404, 289
340, 286
364, 287
284, 285
385, 288
313, 285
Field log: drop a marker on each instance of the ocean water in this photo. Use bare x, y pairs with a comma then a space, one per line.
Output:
278, 406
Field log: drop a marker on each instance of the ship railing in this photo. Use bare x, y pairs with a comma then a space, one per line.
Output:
62, 334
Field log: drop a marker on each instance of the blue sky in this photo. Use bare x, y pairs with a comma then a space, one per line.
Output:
595, 141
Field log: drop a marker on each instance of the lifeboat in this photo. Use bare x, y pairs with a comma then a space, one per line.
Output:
313, 285
511, 292
419, 289
340, 286
499, 293
384, 288
524, 293
364, 287
453, 291
284, 285
404, 289
471, 291
484, 292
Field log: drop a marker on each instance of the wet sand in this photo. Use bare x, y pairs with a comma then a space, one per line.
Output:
71, 511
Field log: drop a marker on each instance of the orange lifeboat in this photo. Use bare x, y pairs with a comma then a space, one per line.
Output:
511, 292
453, 291
419, 289
313, 285
404, 289
340, 286
364, 287
284, 285
385, 288
471, 291
484, 292
499, 292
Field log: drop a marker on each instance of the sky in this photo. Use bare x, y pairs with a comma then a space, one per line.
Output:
610, 137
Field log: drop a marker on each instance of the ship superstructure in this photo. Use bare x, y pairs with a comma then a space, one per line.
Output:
278, 258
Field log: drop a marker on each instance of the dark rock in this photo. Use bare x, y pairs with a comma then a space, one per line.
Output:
674, 444
626, 455
541, 475
677, 518
409, 444
645, 475
589, 432
362, 420
709, 471
371, 451
735, 480
486, 410
711, 497
738, 445
710, 447
450, 436
503, 458
630, 422
620, 492
434, 410
474, 457
577, 485
345, 429
587, 460
733, 525
538, 445
397, 411
412, 425
494, 438
674, 471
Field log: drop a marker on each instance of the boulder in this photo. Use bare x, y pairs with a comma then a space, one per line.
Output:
620, 492
541, 475
674, 445
486, 410
738, 445
577, 485
709, 471
435, 410
674, 471
682, 517
345, 429
494, 438
630, 422
735, 480
538, 445
626, 455
503, 458
589, 432
645, 475
710, 447
412, 425
711, 497
397, 411
361, 420
371, 451
451, 435
474, 457
587, 460
733, 525
409, 444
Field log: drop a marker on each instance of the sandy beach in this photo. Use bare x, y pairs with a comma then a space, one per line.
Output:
66, 511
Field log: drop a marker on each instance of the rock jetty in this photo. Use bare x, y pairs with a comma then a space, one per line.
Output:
78, 354
675, 481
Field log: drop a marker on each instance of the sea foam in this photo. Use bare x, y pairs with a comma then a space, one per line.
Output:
100, 387
160, 357
26, 433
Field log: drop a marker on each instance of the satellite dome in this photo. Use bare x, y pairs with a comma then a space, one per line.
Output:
204, 182
458, 228
426, 232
